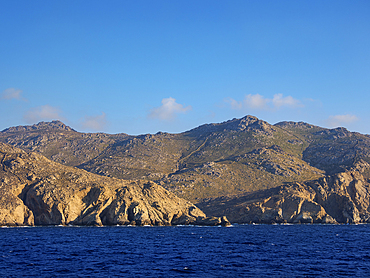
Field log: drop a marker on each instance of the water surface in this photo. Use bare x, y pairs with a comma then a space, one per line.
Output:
187, 251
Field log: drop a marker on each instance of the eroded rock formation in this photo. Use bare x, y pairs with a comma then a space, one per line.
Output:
339, 198
37, 191
244, 168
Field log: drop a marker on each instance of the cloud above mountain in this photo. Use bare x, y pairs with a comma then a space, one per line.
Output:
43, 113
259, 102
96, 123
280, 101
168, 110
341, 120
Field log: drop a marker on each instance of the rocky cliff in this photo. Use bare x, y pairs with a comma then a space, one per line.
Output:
233, 157
219, 165
37, 191
340, 198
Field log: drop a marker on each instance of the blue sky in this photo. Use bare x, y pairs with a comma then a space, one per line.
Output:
146, 66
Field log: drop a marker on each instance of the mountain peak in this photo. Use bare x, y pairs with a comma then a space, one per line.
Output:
247, 123
53, 125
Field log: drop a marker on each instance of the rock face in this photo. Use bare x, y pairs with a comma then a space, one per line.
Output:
339, 198
37, 191
176, 161
225, 162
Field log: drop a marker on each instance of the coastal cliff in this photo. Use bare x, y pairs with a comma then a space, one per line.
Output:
340, 198
247, 169
37, 191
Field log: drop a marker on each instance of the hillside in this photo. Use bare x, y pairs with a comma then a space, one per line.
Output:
37, 191
232, 158
339, 198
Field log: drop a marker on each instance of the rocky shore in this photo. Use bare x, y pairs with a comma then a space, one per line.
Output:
37, 191
245, 169
339, 198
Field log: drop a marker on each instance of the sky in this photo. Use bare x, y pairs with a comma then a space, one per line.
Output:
141, 67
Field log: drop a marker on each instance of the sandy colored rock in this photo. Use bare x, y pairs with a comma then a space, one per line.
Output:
37, 191
245, 168
339, 198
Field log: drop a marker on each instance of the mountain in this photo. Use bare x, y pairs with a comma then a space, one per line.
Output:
209, 161
59, 142
213, 161
37, 191
332, 150
339, 198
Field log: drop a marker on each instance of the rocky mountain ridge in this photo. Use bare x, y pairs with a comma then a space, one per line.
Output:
54, 125
169, 158
37, 191
213, 161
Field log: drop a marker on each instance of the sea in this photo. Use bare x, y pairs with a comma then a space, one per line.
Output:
186, 251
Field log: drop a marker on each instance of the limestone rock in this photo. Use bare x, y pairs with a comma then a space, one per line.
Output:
37, 191
339, 198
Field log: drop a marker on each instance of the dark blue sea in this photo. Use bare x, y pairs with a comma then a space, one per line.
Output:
187, 251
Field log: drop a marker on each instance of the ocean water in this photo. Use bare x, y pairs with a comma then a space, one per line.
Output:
187, 251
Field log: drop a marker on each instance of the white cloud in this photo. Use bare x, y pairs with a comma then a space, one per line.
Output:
279, 101
259, 102
340, 120
256, 101
237, 105
97, 123
168, 109
250, 101
11, 93
42, 113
